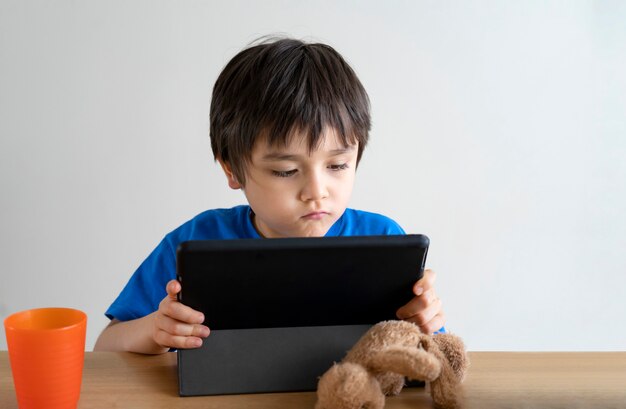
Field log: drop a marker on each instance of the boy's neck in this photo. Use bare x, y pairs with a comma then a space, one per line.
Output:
253, 221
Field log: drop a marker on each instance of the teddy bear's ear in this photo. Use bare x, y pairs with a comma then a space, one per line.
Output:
413, 363
454, 350
348, 386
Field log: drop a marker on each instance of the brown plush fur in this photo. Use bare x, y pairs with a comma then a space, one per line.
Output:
378, 363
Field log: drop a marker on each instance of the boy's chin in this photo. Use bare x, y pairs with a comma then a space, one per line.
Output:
314, 231
311, 228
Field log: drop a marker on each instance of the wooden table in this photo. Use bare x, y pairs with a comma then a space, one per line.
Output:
495, 380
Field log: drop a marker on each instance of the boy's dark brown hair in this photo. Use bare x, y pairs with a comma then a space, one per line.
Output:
281, 88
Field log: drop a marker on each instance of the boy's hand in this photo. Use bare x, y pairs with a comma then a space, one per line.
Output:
425, 308
177, 325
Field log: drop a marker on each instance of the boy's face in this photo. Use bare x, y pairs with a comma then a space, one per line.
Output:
297, 194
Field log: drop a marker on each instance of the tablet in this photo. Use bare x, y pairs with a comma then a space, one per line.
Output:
281, 311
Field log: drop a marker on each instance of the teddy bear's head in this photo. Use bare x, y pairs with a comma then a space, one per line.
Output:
348, 385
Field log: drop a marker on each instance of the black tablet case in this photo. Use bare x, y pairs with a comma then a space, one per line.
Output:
281, 311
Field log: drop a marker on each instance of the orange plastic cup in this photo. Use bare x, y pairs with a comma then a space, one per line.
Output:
47, 351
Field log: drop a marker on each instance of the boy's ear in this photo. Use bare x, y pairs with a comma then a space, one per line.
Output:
232, 180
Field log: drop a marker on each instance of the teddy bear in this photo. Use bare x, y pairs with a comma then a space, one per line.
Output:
378, 363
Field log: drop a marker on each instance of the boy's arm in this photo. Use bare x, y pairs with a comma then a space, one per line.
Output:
173, 325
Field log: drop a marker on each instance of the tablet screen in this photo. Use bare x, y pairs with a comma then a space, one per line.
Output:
299, 282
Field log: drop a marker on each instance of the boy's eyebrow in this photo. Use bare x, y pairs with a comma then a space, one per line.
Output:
278, 156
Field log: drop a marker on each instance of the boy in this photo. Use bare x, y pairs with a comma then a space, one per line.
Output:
289, 122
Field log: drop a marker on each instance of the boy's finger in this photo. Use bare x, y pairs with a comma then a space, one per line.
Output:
424, 317
435, 324
425, 283
178, 342
417, 304
173, 288
181, 312
427, 318
178, 328
409, 309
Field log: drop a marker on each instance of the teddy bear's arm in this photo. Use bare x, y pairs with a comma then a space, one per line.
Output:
413, 363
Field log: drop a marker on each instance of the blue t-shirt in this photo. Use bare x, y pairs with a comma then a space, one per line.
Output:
146, 288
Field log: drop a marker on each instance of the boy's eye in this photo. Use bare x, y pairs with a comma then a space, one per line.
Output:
284, 173
338, 167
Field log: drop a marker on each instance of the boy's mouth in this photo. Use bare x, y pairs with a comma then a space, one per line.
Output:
315, 215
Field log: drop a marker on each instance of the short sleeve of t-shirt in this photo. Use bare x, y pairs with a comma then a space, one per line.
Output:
360, 223
146, 288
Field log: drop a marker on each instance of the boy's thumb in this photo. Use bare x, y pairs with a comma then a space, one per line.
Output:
173, 288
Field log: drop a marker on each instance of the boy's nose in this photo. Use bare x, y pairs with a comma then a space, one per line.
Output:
314, 188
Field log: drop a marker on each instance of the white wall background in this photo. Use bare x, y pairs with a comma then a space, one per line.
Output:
499, 131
